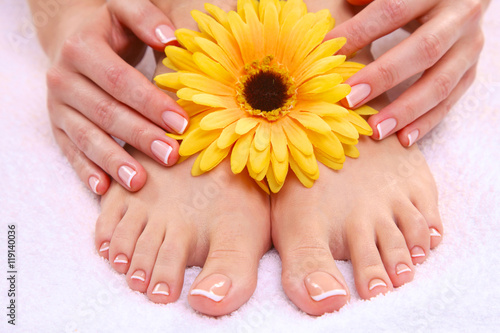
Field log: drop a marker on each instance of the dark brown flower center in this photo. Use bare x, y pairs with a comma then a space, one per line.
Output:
266, 91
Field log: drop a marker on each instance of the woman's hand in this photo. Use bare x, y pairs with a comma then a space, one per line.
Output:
94, 93
445, 48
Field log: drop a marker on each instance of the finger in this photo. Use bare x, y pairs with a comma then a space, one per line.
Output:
110, 156
146, 21
123, 82
359, 2
90, 174
119, 120
436, 84
378, 19
420, 127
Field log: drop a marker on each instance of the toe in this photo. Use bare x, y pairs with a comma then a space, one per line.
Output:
124, 239
428, 207
394, 253
415, 230
370, 274
229, 275
309, 276
110, 216
167, 277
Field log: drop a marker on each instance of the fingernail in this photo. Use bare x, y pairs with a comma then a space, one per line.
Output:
161, 150
139, 275
321, 285
412, 137
165, 34
417, 251
376, 283
126, 174
104, 247
161, 289
434, 232
121, 259
175, 121
93, 182
402, 268
358, 93
385, 127
214, 287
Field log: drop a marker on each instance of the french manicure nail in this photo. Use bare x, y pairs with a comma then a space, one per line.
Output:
376, 283
161, 289
126, 174
412, 137
93, 183
417, 252
161, 150
358, 93
139, 275
121, 259
434, 232
321, 285
385, 127
104, 247
165, 34
402, 268
175, 121
214, 287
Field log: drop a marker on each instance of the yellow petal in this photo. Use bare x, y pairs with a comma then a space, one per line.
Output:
320, 84
256, 31
319, 67
262, 136
322, 108
205, 84
241, 151
215, 101
325, 49
301, 176
246, 124
333, 95
271, 25
218, 14
188, 93
365, 110
279, 141
213, 69
311, 121
307, 164
274, 185
215, 52
280, 169
359, 123
328, 143
186, 38
326, 160
221, 119
297, 136
195, 170
287, 25
259, 160
347, 69
191, 108
346, 140
212, 156
297, 37
342, 126
228, 136
197, 140
313, 38
351, 151
169, 81
181, 59
241, 33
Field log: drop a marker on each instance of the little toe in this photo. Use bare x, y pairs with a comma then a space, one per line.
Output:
167, 278
415, 230
370, 274
124, 239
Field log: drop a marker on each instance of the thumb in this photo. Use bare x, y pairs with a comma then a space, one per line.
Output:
146, 21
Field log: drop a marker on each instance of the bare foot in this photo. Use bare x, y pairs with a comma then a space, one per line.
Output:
380, 211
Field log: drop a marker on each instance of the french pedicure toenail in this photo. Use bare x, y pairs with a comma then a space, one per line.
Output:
161, 289
214, 287
376, 283
121, 259
402, 268
358, 93
165, 34
161, 150
175, 121
434, 232
139, 275
385, 127
321, 285
412, 137
126, 174
417, 252
93, 183
104, 247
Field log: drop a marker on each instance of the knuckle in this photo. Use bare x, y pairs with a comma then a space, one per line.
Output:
357, 35
54, 78
108, 160
115, 76
396, 11
137, 136
72, 47
443, 85
82, 138
410, 112
104, 113
430, 47
388, 76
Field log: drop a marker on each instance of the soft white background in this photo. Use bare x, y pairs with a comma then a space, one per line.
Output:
64, 286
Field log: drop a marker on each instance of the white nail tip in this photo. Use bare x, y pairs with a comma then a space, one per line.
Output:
380, 284
161, 36
417, 255
93, 182
140, 278
121, 261
335, 292
167, 154
207, 294
127, 174
158, 292
184, 125
104, 249
412, 137
435, 233
404, 270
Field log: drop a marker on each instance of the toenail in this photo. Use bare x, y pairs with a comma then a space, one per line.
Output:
104, 247
402, 268
161, 289
139, 275
434, 232
121, 259
376, 283
321, 285
214, 287
417, 252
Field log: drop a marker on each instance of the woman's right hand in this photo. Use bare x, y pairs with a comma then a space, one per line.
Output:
94, 92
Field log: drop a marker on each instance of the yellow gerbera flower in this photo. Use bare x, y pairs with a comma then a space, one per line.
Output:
260, 85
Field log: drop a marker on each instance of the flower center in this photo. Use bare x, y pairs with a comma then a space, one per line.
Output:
266, 90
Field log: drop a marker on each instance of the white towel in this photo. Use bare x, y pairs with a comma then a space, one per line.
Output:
64, 286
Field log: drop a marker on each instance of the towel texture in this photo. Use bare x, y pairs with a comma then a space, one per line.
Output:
64, 286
